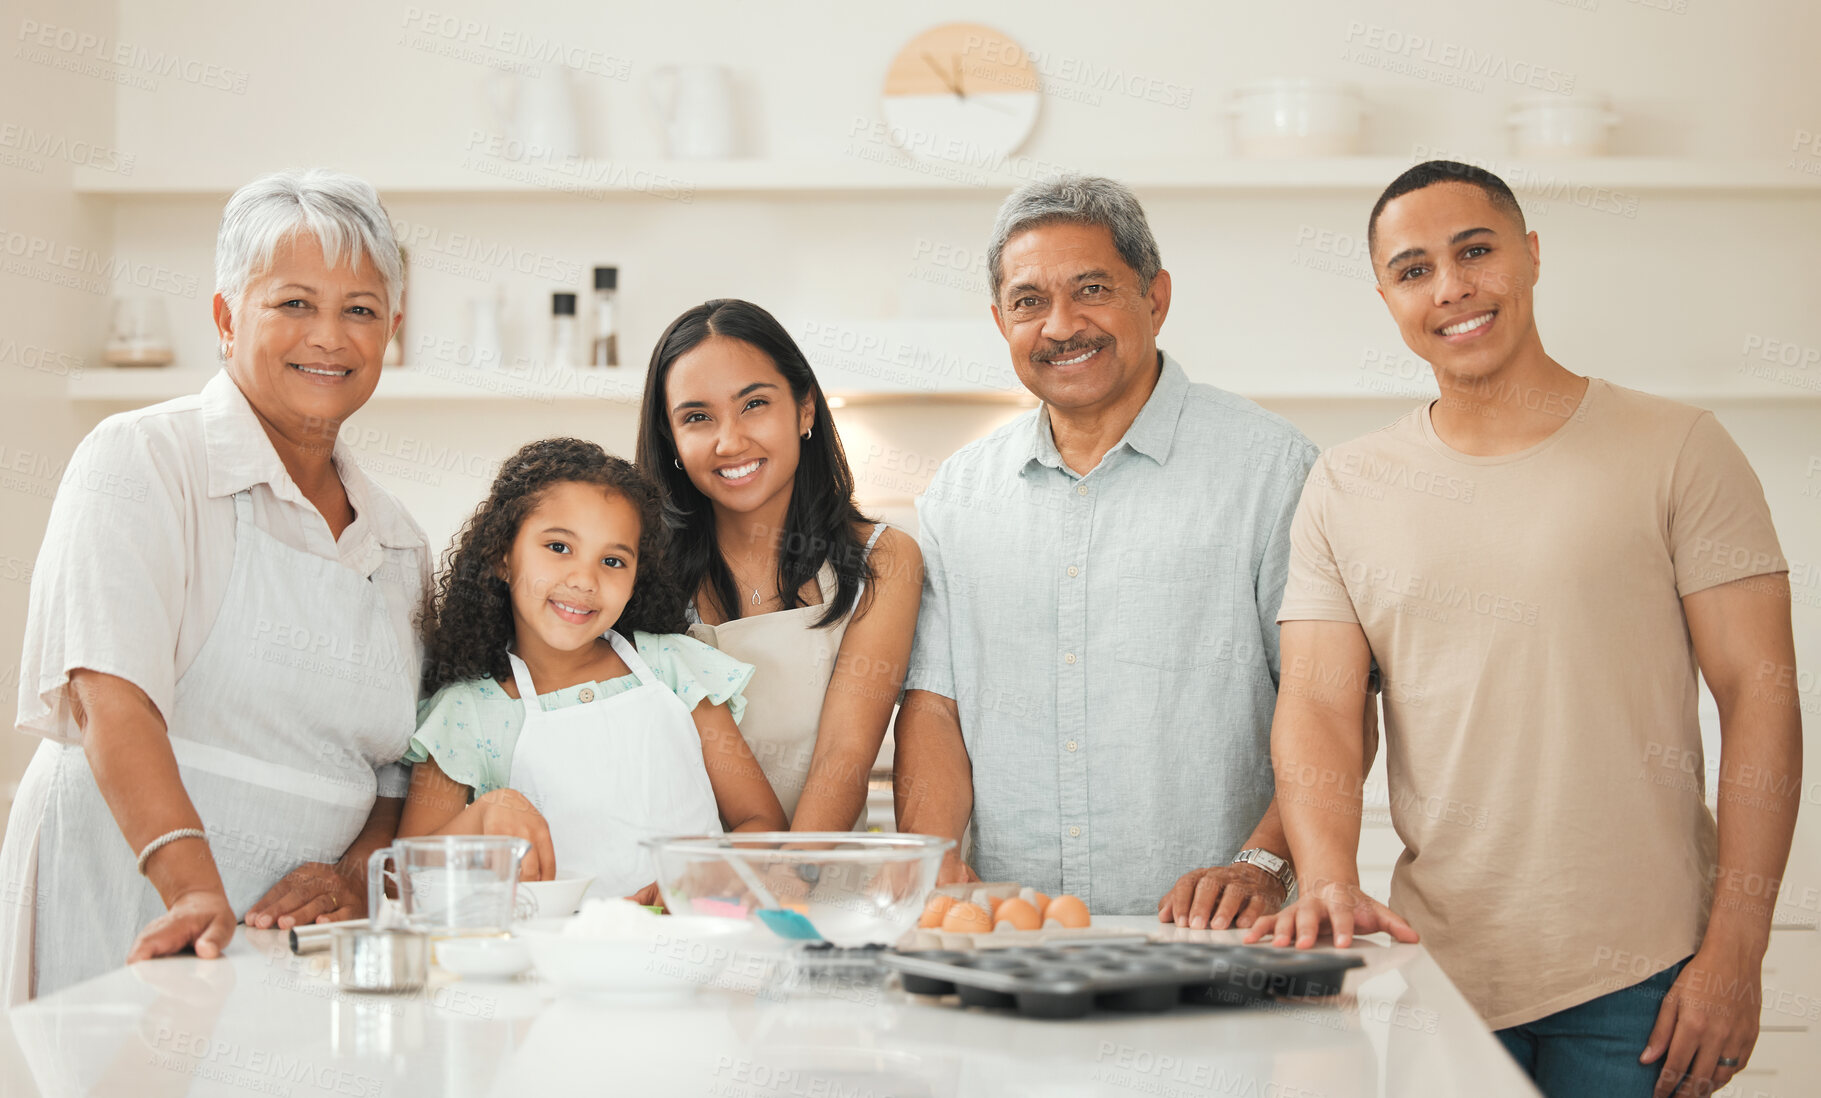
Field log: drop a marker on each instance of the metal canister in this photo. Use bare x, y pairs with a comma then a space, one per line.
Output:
362, 959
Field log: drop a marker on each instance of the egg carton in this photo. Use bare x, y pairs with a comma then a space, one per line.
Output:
1069, 981
1007, 938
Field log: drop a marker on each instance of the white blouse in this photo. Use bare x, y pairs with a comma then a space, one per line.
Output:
162, 480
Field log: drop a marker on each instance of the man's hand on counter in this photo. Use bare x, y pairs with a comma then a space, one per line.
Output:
1221, 896
1340, 905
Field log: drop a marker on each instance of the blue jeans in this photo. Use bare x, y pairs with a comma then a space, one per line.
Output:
1592, 1050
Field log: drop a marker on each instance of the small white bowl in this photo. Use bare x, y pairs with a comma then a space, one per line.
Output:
679, 953
483, 958
550, 899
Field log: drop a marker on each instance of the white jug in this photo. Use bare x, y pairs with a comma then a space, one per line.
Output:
538, 111
694, 110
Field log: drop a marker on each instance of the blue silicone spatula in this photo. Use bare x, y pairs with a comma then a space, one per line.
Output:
778, 919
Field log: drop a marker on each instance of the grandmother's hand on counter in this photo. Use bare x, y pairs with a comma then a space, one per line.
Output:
1341, 905
1221, 896
307, 893
202, 918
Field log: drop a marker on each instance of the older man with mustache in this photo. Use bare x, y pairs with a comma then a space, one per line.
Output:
1095, 664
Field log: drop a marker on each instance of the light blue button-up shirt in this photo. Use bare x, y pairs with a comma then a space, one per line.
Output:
1110, 639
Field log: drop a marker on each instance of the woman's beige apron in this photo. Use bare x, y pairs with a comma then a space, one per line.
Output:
793, 662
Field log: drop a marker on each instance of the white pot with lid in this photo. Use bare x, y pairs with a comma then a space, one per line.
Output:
1555, 127
1275, 119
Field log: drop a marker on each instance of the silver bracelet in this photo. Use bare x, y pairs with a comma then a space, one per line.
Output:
166, 839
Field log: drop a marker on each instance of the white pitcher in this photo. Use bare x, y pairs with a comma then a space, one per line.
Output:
694, 110
537, 110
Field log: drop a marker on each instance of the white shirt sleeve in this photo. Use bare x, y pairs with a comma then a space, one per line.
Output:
108, 589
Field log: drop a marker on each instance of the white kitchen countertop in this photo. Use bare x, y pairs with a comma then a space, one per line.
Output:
264, 1022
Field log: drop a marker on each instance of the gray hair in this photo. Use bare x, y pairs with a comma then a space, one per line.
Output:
1084, 200
342, 211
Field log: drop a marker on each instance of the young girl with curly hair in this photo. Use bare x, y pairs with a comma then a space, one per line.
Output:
556, 590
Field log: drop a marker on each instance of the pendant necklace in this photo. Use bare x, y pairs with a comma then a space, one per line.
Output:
756, 601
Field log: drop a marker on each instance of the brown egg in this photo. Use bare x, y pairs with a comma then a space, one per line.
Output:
967, 919
1035, 898
934, 910
1067, 910
1020, 915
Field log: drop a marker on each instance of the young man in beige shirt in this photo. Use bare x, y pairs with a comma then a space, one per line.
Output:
1537, 563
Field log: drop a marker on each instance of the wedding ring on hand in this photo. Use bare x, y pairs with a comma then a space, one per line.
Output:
1728, 1061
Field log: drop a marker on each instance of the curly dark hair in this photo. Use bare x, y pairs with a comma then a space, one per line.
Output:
468, 626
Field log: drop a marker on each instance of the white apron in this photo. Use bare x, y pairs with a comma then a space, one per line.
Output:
793, 662
301, 690
610, 772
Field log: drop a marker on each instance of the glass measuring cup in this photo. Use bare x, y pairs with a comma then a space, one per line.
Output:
450, 885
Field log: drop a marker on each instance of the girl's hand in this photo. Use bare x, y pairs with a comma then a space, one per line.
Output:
509, 812
649, 896
202, 918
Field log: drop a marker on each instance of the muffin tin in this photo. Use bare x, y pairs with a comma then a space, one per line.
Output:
1068, 981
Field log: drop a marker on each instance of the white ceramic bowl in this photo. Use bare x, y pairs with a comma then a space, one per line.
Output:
483, 958
679, 953
1555, 127
550, 899
1276, 119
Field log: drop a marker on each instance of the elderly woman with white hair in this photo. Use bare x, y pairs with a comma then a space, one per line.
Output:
219, 652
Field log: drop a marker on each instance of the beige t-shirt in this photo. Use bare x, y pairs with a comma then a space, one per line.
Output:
1540, 689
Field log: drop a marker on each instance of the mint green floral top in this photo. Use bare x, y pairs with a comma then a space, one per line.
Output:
470, 728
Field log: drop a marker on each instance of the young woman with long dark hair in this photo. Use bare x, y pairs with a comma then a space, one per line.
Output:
783, 570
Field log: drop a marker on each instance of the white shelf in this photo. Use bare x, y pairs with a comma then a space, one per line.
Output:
398, 383
687, 180
109, 385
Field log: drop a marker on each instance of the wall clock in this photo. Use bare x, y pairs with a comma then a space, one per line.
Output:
962, 92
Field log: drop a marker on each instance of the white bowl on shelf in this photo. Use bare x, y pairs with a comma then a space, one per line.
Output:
1555, 127
1282, 119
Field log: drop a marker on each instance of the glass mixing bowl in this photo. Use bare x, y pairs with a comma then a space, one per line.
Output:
855, 888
